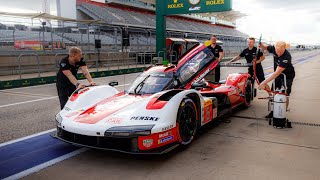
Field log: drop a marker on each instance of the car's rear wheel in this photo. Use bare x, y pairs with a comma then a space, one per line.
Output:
248, 93
187, 121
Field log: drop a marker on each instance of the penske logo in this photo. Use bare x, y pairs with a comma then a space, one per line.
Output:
144, 118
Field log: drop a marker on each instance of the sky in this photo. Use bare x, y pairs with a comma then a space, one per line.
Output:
294, 21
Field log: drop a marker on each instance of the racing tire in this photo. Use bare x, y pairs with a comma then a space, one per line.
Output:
186, 121
248, 94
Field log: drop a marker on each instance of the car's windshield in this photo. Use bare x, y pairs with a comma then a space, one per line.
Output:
150, 83
195, 64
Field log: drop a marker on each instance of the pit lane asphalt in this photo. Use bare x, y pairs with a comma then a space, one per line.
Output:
24, 119
26, 111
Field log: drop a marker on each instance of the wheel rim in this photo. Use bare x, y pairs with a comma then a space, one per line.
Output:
187, 123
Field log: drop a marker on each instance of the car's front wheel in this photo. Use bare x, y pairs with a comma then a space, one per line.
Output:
187, 121
248, 94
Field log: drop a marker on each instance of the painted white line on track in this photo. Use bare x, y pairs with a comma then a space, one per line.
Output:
13, 104
24, 94
46, 164
42, 85
53, 97
27, 137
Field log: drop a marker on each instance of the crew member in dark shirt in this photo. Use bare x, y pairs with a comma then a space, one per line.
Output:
218, 54
67, 82
250, 53
282, 64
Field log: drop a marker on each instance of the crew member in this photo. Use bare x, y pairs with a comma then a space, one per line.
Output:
282, 64
250, 54
67, 82
218, 53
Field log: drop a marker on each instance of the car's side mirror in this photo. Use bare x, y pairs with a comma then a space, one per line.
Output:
113, 83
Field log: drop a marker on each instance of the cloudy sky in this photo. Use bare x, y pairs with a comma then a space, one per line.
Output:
290, 20
295, 21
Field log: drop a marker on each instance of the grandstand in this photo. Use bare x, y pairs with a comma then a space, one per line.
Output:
119, 16
107, 21
137, 17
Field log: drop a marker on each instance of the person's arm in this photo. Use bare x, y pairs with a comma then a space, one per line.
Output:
272, 77
86, 73
220, 56
72, 79
234, 59
261, 59
263, 46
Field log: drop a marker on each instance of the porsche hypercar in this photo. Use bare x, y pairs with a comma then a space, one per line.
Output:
163, 107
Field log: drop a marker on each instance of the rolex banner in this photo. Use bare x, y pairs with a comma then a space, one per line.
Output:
196, 6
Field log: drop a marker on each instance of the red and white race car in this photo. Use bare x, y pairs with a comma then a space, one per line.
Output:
162, 109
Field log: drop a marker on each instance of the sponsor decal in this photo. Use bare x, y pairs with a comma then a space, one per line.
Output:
26, 82
285, 61
144, 118
214, 2
63, 64
165, 134
147, 143
167, 128
194, 8
207, 111
202, 75
207, 102
175, 5
172, 6
166, 139
214, 112
114, 120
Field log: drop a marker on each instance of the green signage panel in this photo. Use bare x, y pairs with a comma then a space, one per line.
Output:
171, 7
196, 6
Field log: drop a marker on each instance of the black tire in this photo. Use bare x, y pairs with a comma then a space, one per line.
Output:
187, 121
248, 94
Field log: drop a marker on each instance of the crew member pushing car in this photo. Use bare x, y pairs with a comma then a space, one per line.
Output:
67, 82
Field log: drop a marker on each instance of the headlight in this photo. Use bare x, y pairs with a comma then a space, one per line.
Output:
58, 119
125, 131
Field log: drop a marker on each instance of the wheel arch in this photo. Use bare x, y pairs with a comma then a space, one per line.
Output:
196, 99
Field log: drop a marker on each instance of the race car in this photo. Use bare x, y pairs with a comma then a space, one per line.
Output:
163, 108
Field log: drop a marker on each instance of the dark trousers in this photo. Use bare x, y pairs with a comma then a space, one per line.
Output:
217, 74
259, 73
64, 92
